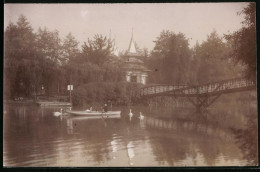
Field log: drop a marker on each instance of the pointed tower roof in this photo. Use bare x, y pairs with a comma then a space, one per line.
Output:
132, 47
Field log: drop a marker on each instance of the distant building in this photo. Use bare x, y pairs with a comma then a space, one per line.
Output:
135, 71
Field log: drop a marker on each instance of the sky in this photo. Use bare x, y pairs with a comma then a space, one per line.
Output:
83, 21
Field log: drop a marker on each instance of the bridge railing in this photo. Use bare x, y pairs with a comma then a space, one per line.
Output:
215, 87
155, 89
225, 85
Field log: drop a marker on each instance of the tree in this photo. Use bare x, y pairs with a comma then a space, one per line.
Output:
49, 44
70, 48
70, 53
98, 50
49, 49
36, 59
94, 63
243, 42
20, 58
170, 58
213, 64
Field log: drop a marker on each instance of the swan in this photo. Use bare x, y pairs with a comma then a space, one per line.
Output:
89, 110
58, 113
130, 115
141, 116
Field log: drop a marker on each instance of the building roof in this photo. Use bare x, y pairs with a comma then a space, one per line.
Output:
132, 61
136, 67
132, 48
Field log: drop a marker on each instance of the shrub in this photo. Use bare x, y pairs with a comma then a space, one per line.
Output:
118, 93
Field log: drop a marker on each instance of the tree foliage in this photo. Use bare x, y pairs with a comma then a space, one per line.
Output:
119, 93
170, 58
97, 50
43, 59
20, 57
70, 48
243, 41
213, 62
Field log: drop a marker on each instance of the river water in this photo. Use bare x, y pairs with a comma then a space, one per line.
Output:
33, 136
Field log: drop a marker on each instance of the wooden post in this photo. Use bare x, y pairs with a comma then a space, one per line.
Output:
70, 88
197, 103
70, 97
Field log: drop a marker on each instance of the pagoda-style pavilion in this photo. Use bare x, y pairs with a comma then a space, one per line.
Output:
134, 67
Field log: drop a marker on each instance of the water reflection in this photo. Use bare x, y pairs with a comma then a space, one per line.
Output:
114, 148
246, 139
70, 126
34, 137
130, 152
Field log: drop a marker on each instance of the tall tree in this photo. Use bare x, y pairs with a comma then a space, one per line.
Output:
70, 48
243, 41
213, 62
70, 53
49, 44
20, 56
97, 50
49, 48
171, 58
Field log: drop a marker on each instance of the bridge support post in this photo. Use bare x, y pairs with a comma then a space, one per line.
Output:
203, 102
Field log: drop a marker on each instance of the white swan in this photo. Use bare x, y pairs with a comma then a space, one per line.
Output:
141, 117
89, 110
58, 113
130, 115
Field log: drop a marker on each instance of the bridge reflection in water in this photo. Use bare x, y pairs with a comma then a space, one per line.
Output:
188, 126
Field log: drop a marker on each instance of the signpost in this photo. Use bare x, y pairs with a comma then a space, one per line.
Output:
70, 88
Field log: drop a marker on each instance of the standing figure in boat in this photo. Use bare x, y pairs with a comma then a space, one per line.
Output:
105, 108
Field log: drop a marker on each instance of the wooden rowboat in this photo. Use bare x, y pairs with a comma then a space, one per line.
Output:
94, 113
81, 117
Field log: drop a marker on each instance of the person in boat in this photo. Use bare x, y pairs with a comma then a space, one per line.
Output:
105, 108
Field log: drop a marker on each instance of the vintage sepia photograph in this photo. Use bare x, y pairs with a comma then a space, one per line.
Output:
130, 85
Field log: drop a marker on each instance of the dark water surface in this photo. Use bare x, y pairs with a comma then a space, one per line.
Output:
33, 136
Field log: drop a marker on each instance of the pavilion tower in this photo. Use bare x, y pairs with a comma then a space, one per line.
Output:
135, 71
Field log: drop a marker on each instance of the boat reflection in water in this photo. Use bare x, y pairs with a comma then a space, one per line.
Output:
72, 119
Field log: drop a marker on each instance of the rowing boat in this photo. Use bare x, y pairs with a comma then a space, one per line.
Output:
81, 117
94, 113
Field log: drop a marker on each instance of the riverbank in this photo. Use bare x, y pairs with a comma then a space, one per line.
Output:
24, 101
53, 103
37, 102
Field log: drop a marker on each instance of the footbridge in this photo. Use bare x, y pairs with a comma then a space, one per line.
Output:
199, 95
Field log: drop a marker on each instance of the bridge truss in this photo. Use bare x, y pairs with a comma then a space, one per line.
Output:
201, 96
